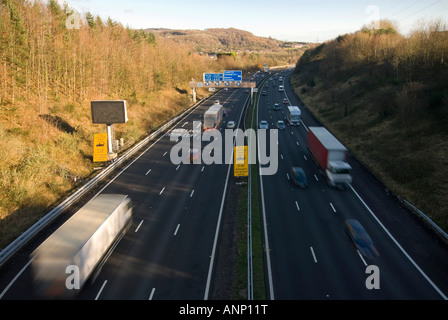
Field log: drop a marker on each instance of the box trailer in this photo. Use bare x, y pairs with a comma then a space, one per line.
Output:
213, 117
330, 155
63, 263
293, 115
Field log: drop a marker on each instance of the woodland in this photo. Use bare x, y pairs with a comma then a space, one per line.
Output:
385, 95
53, 63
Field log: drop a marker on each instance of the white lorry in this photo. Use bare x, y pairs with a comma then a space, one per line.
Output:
213, 117
62, 264
293, 115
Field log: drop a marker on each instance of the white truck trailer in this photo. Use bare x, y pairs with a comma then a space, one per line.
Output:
293, 115
62, 264
213, 117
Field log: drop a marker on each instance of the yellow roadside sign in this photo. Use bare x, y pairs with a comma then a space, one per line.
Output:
100, 147
240, 162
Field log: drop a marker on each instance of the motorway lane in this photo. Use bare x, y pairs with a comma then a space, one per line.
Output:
166, 252
172, 258
311, 256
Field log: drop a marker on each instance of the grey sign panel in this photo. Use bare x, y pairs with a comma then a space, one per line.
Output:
109, 112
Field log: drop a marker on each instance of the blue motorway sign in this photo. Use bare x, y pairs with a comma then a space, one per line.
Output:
213, 77
233, 75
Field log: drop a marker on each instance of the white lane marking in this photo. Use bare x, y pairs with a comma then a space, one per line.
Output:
400, 247
178, 167
317, 179
177, 229
101, 290
139, 225
148, 172
297, 205
152, 293
165, 153
332, 207
362, 258
281, 156
191, 194
16, 277
314, 256
162, 191
304, 156
203, 168
287, 175
184, 124
297, 142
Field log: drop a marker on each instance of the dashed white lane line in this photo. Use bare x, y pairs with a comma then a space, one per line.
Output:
177, 229
101, 290
332, 207
162, 191
314, 256
139, 225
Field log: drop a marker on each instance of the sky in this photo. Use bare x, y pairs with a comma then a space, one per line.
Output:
286, 20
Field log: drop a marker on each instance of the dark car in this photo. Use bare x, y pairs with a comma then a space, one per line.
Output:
298, 177
360, 238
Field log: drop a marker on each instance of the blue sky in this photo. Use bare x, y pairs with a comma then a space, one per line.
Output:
292, 20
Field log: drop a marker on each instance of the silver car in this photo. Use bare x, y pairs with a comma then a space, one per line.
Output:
264, 124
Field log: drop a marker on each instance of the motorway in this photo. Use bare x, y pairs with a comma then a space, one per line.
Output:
167, 254
311, 257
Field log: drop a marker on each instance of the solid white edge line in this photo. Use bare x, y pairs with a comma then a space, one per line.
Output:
362, 258
218, 224
400, 247
263, 210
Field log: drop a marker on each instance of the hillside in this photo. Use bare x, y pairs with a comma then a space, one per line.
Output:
386, 97
217, 39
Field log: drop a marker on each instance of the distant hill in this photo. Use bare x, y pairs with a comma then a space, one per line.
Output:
218, 39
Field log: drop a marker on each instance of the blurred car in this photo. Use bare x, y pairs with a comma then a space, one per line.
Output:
263, 93
230, 124
360, 238
194, 155
281, 124
298, 177
264, 124
276, 107
285, 101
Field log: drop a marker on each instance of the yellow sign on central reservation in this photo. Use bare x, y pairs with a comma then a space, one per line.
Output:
240, 161
100, 147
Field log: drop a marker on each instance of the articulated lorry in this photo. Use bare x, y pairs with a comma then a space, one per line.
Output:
63, 263
330, 155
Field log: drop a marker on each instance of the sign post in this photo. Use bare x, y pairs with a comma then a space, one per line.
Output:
109, 112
